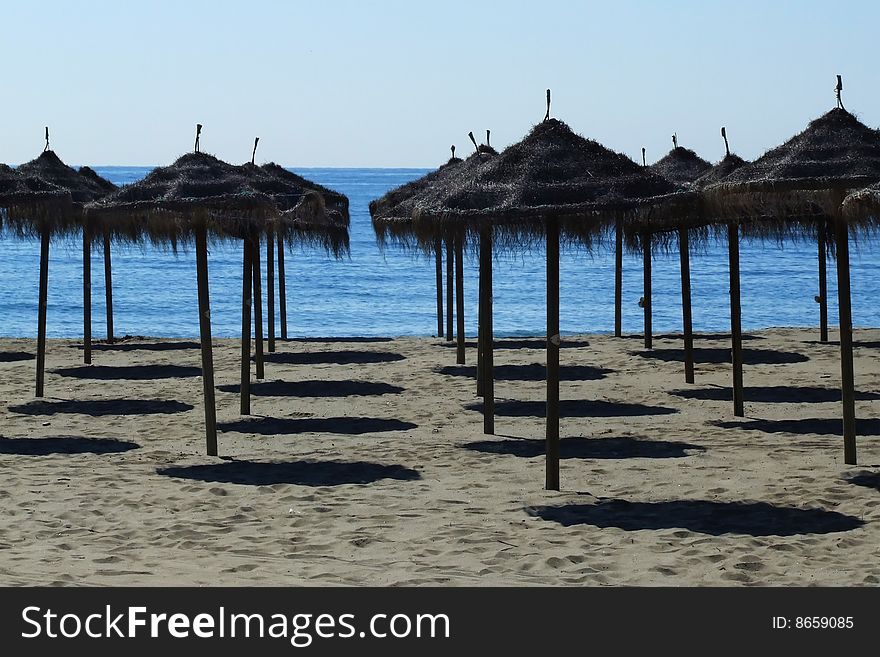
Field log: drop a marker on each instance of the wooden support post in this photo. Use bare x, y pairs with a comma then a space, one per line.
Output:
553, 341
270, 290
282, 288
481, 322
686, 318
735, 321
450, 301
247, 270
823, 284
108, 286
41, 312
847, 377
87, 295
488, 337
207, 347
646, 302
258, 312
438, 271
618, 279
459, 298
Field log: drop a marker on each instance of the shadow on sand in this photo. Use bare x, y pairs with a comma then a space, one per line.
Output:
589, 448
335, 340
142, 346
64, 445
15, 356
346, 388
697, 336
866, 479
101, 407
302, 473
773, 394
345, 357
572, 408
715, 518
721, 355
354, 426
822, 426
129, 372
530, 372
526, 343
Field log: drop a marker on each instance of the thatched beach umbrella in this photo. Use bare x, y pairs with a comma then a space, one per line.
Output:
393, 223
335, 206
793, 188
305, 219
553, 182
657, 231
30, 206
82, 189
196, 198
682, 167
108, 188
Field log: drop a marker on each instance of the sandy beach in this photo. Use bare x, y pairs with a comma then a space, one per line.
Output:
365, 464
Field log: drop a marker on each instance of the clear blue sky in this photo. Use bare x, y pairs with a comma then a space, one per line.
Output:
354, 83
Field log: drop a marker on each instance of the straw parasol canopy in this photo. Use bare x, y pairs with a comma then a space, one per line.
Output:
553, 173
392, 214
681, 165
333, 201
306, 217
100, 182
863, 206
171, 202
31, 206
803, 179
82, 188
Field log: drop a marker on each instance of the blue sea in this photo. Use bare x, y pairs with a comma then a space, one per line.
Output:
392, 292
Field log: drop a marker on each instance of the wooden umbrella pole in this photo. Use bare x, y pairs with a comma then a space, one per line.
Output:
847, 377
270, 290
41, 312
618, 279
87, 295
450, 301
481, 313
247, 270
205, 335
488, 341
459, 299
686, 318
258, 311
553, 341
646, 299
108, 285
735, 321
823, 286
438, 271
282, 288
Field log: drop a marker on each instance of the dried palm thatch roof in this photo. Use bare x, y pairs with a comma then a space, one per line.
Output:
305, 218
334, 201
392, 213
31, 206
804, 179
551, 173
82, 188
863, 207
171, 202
663, 229
681, 166
100, 182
